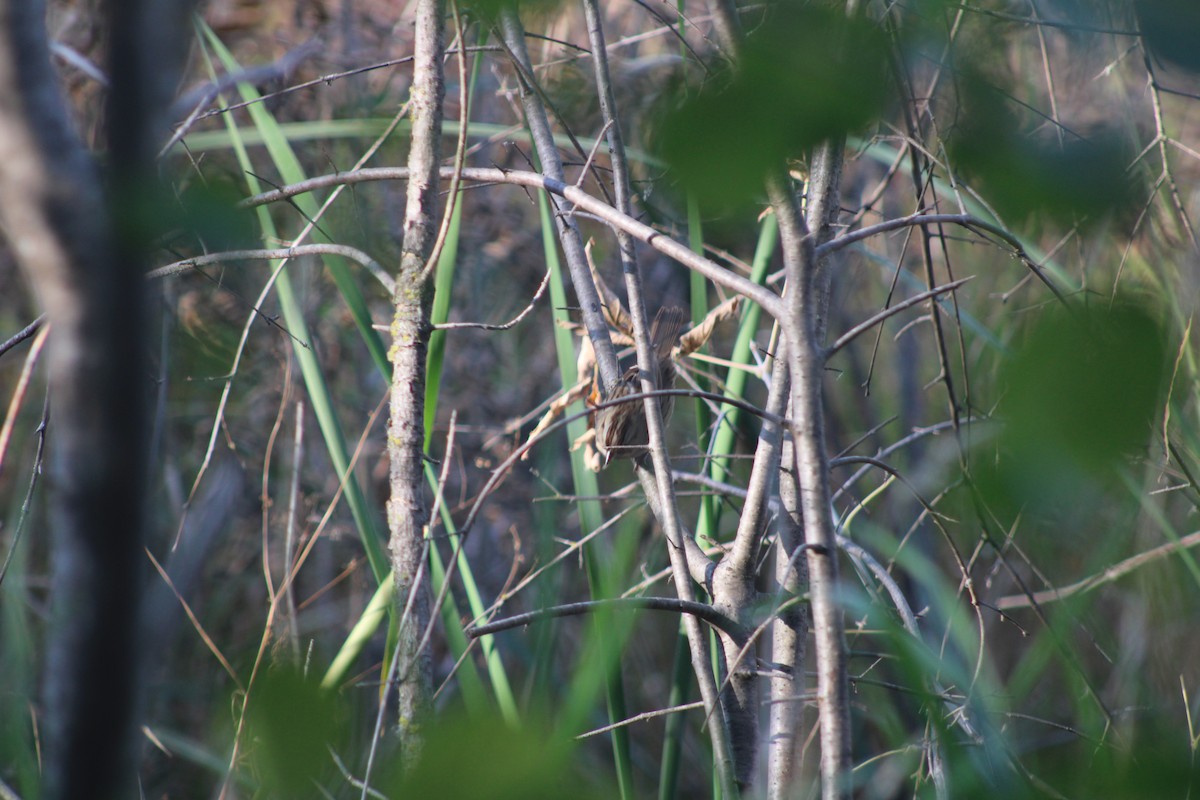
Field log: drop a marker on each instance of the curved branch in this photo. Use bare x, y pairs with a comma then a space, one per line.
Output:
871, 322
701, 611
584, 201
965, 220
929, 509
345, 251
502, 326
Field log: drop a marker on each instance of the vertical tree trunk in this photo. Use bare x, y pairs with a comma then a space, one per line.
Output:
812, 475
81, 241
789, 635
407, 509
803, 327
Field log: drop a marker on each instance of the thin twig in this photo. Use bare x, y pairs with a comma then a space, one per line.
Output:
503, 468
512, 323
19, 393
296, 251
199, 98
460, 148
1107, 575
662, 712
891, 311
23, 334
34, 473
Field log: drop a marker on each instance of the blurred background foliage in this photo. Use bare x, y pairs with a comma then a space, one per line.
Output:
1048, 441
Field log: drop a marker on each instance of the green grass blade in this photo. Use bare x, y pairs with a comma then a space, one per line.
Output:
293, 312
709, 516
360, 634
443, 285
672, 751
735, 381
435, 365
601, 660
496, 672
371, 127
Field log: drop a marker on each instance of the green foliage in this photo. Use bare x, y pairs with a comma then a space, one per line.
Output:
1079, 394
1025, 176
1155, 762
288, 164
294, 724
806, 74
18, 725
210, 213
488, 11
483, 758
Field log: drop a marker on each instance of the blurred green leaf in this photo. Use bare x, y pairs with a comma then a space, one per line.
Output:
1079, 394
805, 75
1154, 763
487, 759
489, 10
1024, 175
294, 723
210, 213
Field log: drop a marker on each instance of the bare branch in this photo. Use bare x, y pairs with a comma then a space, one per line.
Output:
61, 221
891, 311
512, 323
1106, 576
23, 334
610, 216
662, 712
345, 251
674, 605
513, 35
